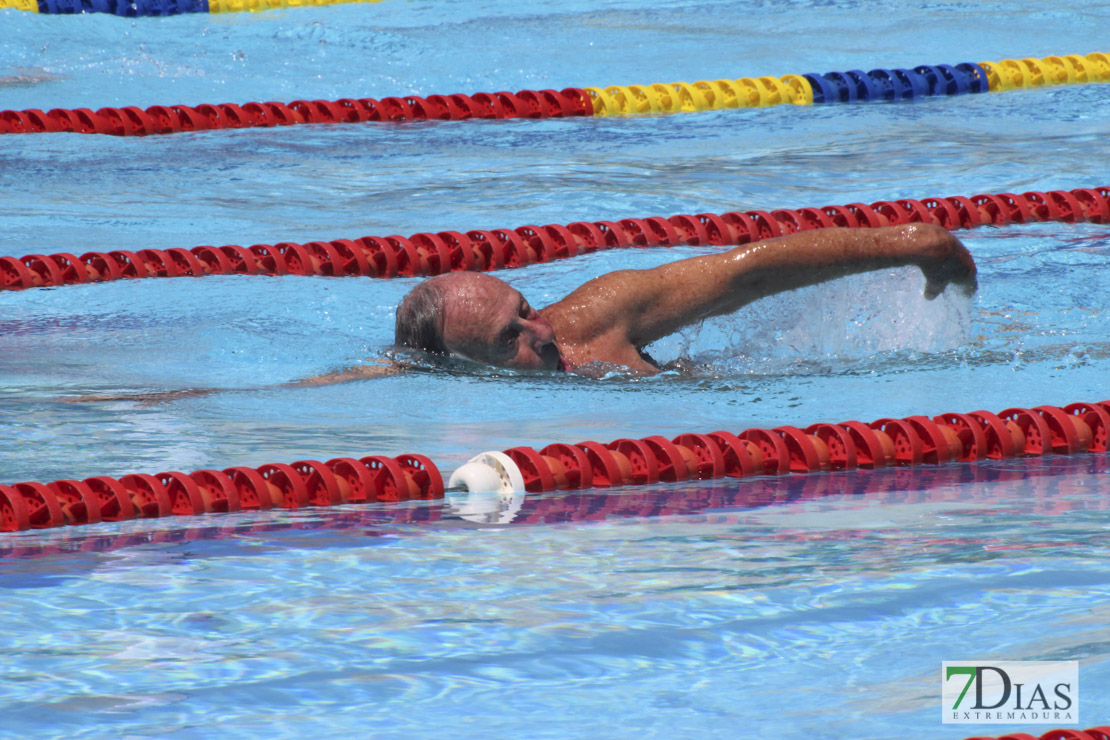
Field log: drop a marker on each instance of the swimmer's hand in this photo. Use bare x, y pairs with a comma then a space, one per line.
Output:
945, 261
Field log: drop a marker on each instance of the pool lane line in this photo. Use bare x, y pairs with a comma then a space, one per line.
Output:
877, 85
1091, 733
429, 253
141, 8
910, 441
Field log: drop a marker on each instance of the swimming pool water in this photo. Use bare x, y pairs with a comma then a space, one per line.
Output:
817, 607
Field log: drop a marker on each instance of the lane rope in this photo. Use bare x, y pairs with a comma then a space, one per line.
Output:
141, 8
429, 253
887, 442
853, 86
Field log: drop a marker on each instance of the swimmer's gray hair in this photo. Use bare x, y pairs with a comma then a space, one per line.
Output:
420, 319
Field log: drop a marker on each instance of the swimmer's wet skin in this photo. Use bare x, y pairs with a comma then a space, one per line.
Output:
611, 318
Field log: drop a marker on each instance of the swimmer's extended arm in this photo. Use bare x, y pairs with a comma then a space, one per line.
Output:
644, 305
359, 372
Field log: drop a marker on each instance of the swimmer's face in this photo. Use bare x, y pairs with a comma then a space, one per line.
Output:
487, 321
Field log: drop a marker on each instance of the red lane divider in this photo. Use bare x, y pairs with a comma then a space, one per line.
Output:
161, 119
915, 440
1093, 733
446, 251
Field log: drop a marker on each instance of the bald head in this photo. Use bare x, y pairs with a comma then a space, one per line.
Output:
478, 317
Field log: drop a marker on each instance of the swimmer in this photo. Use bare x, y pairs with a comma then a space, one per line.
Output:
611, 318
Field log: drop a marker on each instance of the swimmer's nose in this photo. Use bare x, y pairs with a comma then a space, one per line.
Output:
543, 336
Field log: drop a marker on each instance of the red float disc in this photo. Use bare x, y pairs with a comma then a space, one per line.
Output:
637, 231
944, 213
513, 106
1038, 437
79, 504
356, 482
320, 482
381, 256
163, 120
39, 122
967, 211
73, 269
141, 125
516, 253
918, 213
1097, 418
736, 455
185, 262
842, 448
217, 490
604, 471
613, 236
1042, 208
460, 250
668, 459
590, 238
241, 259
645, 469
664, 234
766, 227
424, 473
711, 463
298, 260
993, 209
489, 106
409, 263
776, 455
869, 450
282, 114
534, 469
15, 516
47, 271
971, 432
190, 119
352, 259
288, 482
90, 122
389, 479
934, 445
575, 462
392, 109
1065, 440
908, 447
259, 115
802, 452
148, 495
1019, 211
558, 105
215, 262
789, 221
253, 490
815, 218
14, 275
185, 497
158, 262
1095, 208
743, 227
579, 101
44, 510
325, 257
488, 253
841, 216
433, 251
268, 259
1066, 206
112, 498
865, 216
689, 230
540, 243
130, 266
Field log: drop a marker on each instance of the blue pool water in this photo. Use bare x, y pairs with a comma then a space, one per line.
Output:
817, 607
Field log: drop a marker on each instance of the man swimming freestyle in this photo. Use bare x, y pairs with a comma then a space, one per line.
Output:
611, 318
